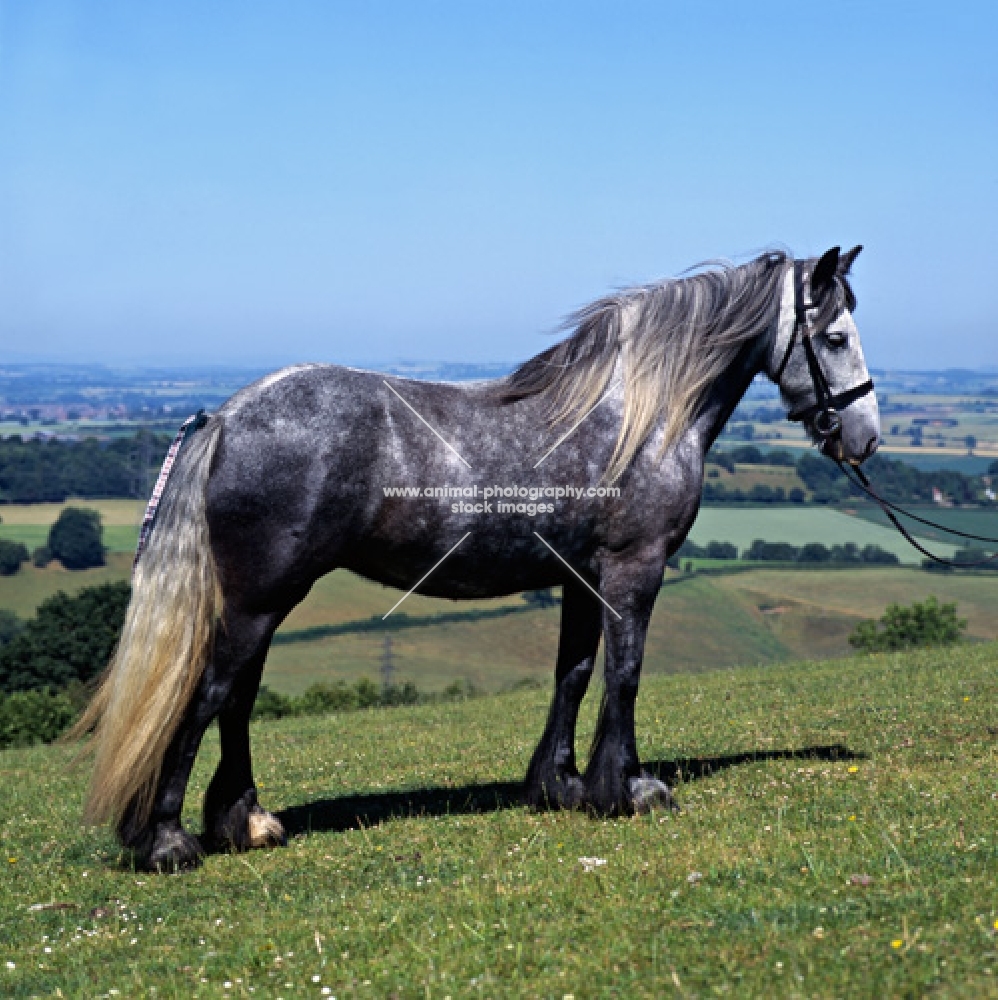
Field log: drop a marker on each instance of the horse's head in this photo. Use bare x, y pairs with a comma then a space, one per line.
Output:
817, 359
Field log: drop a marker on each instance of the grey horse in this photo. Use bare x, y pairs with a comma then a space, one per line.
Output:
582, 469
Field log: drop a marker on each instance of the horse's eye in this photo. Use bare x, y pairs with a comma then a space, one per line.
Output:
836, 338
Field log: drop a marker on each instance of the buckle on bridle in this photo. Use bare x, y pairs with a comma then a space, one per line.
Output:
827, 424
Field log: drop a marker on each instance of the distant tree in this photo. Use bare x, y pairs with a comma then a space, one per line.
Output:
690, 550
971, 442
69, 639
847, 553
76, 538
814, 552
725, 461
12, 554
42, 556
721, 550
927, 624
762, 551
875, 554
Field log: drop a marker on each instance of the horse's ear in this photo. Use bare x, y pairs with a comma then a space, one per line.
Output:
846, 260
824, 271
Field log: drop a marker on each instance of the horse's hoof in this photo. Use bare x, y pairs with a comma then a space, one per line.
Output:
562, 791
173, 850
242, 825
648, 793
264, 829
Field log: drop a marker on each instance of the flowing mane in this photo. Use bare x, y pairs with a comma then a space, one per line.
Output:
673, 337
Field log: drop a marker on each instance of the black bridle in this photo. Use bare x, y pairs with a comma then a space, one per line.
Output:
823, 414
826, 422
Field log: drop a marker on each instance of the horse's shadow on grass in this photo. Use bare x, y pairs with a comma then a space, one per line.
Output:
351, 812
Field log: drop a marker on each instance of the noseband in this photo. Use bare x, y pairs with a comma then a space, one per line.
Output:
824, 413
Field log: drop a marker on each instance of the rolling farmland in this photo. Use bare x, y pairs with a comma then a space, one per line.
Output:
799, 525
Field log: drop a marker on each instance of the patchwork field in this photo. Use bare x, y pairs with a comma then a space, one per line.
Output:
975, 521
799, 525
30, 523
837, 839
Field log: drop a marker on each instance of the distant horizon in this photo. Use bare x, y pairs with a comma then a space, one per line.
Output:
428, 364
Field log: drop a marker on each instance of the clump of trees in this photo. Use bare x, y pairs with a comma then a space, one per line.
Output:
811, 553
816, 552
36, 471
928, 623
970, 558
76, 540
47, 663
34, 717
712, 550
322, 699
70, 640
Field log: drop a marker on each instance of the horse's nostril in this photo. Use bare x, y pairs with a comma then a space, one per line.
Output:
871, 446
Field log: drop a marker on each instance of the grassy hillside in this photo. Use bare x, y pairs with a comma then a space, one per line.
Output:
700, 623
837, 839
757, 616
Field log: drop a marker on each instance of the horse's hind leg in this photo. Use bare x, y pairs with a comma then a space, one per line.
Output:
553, 779
241, 644
233, 818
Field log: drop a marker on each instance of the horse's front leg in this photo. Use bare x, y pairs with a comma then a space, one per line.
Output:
614, 782
161, 843
553, 779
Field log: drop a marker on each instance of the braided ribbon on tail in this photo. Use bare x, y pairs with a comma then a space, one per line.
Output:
187, 428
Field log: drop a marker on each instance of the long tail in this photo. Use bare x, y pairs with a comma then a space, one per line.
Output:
164, 646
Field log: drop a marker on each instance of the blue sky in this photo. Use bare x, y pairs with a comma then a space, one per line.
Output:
253, 183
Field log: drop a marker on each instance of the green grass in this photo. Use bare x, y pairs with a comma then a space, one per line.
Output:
866, 873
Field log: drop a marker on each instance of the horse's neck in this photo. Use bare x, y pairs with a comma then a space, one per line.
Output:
728, 390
